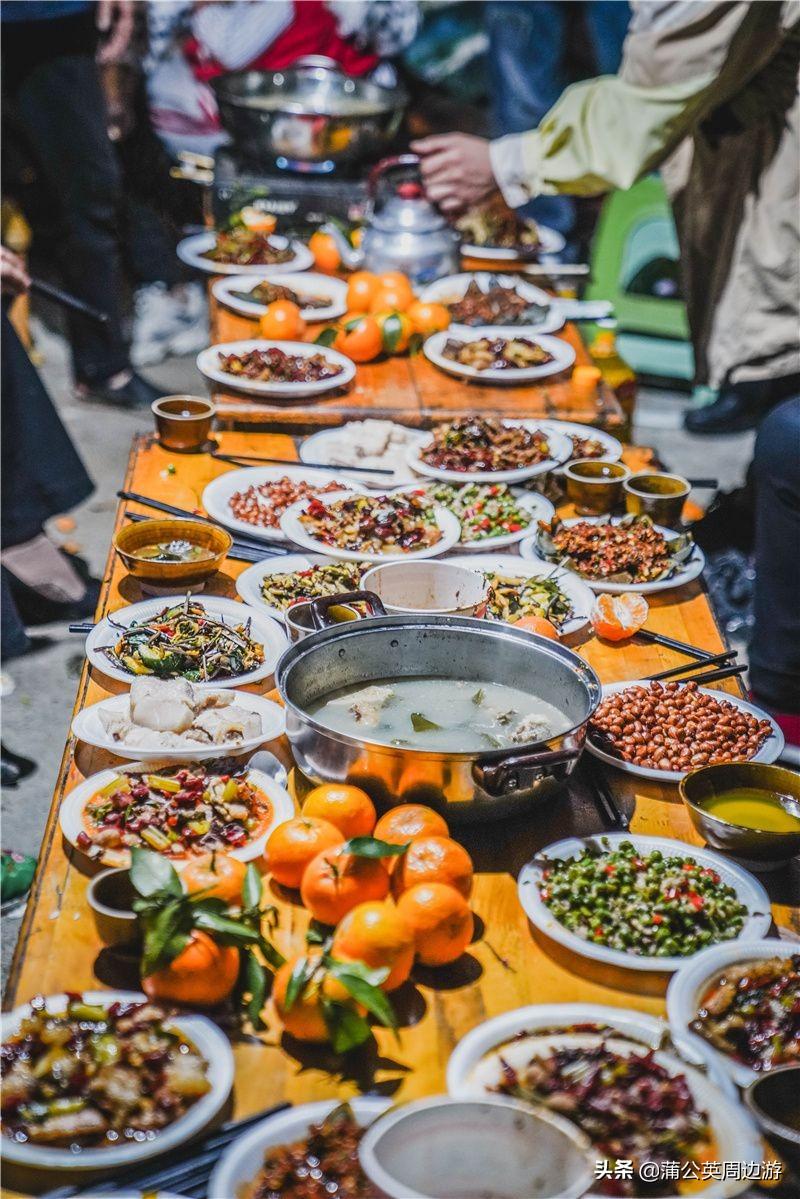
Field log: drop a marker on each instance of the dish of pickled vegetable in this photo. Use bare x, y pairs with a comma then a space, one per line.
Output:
372, 524
485, 510
324, 1165
511, 598
751, 1012
631, 550
282, 590
475, 443
646, 904
184, 641
92, 1076
178, 811
245, 247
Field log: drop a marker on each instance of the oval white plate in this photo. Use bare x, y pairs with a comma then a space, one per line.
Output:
575, 589
686, 573
452, 288
295, 530
563, 354
192, 250
770, 751
88, 727
318, 448
72, 807
263, 630
204, 1035
550, 242
208, 365
748, 890
248, 584
560, 450
241, 1161
470, 1073
691, 981
309, 283
217, 494
613, 448
537, 505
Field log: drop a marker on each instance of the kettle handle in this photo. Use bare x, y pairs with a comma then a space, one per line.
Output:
387, 164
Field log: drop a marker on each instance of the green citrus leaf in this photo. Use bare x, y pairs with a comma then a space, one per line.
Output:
327, 336
256, 984
251, 887
152, 874
346, 1028
165, 934
364, 990
300, 975
392, 332
373, 847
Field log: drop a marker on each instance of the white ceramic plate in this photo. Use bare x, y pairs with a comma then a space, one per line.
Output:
192, 250
208, 365
770, 751
474, 1068
296, 531
73, 805
452, 288
686, 573
217, 495
691, 982
613, 448
204, 1035
560, 450
248, 584
551, 242
263, 630
575, 589
241, 1161
87, 726
319, 448
563, 354
748, 890
309, 283
538, 507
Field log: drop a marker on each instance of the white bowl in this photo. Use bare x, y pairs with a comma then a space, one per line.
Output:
690, 983
563, 354
208, 364
433, 587
749, 892
486, 1148
88, 726
560, 450
191, 250
242, 1160
262, 629
309, 283
212, 1044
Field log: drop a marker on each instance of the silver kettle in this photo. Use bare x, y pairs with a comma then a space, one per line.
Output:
405, 231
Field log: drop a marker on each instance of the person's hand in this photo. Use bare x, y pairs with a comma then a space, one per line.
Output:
115, 20
456, 169
13, 276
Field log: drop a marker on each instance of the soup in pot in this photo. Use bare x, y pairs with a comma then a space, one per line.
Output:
440, 715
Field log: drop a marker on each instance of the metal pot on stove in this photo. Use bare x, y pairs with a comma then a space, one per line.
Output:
464, 785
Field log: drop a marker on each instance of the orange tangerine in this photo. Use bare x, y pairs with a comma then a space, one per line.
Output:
334, 882
293, 844
347, 808
410, 820
441, 920
325, 251
434, 859
217, 874
539, 625
360, 338
375, 933
617, 617
282, 320
428, 318
396, 330
202, 975
361, 287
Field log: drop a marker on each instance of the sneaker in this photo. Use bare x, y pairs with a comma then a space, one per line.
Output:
131, 393
193, 330
157, 316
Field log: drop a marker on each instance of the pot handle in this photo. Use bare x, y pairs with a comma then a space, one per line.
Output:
388, 164
319, 607
499, 776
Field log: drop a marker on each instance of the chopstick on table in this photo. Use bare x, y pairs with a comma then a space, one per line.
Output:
67, 300
682, 647
715, 676
603, 796
236, 459
185, 514
715, 660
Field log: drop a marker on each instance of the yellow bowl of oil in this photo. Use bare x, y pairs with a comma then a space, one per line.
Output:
747, 809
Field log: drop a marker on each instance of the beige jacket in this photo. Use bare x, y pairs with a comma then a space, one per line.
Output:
708, 93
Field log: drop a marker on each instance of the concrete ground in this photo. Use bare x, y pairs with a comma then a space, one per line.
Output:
36, 716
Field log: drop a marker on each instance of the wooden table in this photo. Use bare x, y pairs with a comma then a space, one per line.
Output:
504, 969
410, 390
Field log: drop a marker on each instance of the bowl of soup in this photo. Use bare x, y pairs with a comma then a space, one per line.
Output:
748, 809
163, 554
477, 718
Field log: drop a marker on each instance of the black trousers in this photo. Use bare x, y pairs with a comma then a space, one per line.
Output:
775, 474
52, 93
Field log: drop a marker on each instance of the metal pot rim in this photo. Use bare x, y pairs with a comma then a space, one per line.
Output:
468, 624
394, 97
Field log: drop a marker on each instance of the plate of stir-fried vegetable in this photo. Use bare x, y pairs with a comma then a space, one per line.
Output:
518, 588
208, 640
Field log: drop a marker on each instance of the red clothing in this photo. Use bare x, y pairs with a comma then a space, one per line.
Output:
312, 31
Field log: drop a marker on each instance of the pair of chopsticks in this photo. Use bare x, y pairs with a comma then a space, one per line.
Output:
67, 300
610, 811
244, 542
728, 670
187, 1170
238, 459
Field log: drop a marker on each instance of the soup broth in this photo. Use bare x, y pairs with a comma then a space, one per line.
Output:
174, 551
440, 715
756, 808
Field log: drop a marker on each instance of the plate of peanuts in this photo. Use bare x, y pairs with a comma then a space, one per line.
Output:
662, 731
253, 499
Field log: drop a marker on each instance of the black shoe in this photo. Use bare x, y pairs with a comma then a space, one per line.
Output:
21, 765
35, 609
9, 773
137, 393
735, 410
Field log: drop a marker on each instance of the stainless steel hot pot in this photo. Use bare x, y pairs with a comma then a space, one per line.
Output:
311, 112
467, 786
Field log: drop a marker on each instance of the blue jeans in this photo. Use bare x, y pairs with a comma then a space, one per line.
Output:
528, 40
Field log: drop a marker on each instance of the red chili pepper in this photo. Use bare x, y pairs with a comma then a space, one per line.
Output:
610, 868
514, 526
599, 932
658, 918
696, 900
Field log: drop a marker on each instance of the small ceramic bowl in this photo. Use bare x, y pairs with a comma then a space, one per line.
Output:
110, 895
754, 845
774, 1100
429, 587
594, 486
183, 422
440, 1147
172, 576
657, 495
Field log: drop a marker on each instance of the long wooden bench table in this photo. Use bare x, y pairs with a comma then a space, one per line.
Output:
505, 968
